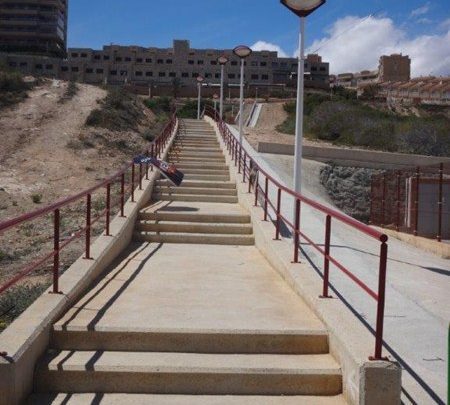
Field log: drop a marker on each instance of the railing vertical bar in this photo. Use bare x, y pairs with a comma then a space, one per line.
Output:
266, 198
122, 195
326, 264
440, 201
108, 208
140, 176
381, 302
397, 220
416, 203
277, 226
132, 181
383, 202
256, 190
56, 231
297, 230
88, 227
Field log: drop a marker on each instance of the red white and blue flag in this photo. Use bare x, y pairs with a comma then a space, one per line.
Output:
168, 170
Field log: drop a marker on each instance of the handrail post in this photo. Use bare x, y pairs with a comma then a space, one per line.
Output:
277, 226
56, 230
381, 302
132, 181
416, 203
266, 198
244, 165
240, 158
140, 176
152, 153
297, 230
383, 202
108, 207
88, 227
440, 201
326, 264
122, 195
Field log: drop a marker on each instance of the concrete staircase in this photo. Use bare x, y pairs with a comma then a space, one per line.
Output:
176, 321
197, 153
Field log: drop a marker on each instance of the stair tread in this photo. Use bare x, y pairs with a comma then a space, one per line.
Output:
158, 399
66, 360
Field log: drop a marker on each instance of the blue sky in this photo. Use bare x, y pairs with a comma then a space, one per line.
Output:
226, 23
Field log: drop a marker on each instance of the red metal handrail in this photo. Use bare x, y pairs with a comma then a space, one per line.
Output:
249, 167
155, 149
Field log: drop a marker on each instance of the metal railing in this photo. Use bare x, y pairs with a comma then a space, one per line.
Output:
129, 179
251, 173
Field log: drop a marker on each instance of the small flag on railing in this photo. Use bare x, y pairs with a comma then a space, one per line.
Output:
168, 170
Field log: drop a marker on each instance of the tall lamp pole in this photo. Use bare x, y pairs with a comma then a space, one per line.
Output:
223, 60
301, 8
199, 85
242, 52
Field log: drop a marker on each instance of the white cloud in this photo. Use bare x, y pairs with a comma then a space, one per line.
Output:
267, 46
445, 25
421, 10
355, 44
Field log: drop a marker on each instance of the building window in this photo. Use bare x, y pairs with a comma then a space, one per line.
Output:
113, 72
234, 63
172, 74
274, 64
148, 60
214, 62
322, 69
64, 68
314, 69
89, 70
75, 69
263, 64
118, 59
255, 77
231, 76
138, 73
105, 57
194, 75
160, 61
38, 66
97, 57
283, 64
184, 74
200, 62
217, 75
149, 74
99, 71
254, 63
127, 59
191, 62
84, 55
139, 60
208, 75
23, 64
169, 61
12, 64
162, 74
74, 55
264, 77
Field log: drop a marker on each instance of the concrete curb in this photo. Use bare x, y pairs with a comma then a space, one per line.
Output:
364, 382
354, 157
27, 338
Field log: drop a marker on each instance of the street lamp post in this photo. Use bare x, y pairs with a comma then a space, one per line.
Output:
223, 60
301, 8
242, 52
199, 85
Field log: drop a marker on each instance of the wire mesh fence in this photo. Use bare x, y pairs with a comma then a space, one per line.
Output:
414, 200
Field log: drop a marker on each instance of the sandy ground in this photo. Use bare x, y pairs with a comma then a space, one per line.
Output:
272, 115
48, 151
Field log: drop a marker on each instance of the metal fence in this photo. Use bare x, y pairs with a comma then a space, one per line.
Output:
414, 200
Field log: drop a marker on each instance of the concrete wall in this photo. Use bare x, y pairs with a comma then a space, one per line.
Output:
364, 382
354, 157
27, 338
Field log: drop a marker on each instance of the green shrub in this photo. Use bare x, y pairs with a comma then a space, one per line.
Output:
36, 198
13, 89
71, 92
159, 105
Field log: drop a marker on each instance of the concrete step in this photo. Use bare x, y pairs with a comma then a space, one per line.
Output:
199, 184
195, 217
207, 177
187, 373
196, 149
141, 339
189, 227
195, 190
206, 169
213, 166
196, 154
195, 238
195, 198
173, 158
196, 145
146, 399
